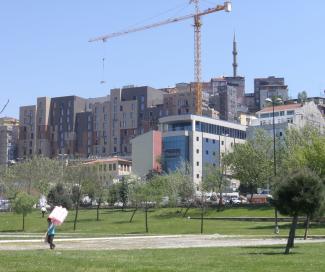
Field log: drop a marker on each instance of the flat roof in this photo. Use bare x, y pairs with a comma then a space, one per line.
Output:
281, 107
107, 160
189, 117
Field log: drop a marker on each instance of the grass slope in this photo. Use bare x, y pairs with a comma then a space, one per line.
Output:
161, 221
309, 257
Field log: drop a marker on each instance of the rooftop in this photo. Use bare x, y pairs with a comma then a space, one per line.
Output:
281, 107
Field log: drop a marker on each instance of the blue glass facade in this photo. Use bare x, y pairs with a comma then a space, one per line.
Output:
211, 152
175, 150
180, 126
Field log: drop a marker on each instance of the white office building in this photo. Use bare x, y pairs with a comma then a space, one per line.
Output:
197, 140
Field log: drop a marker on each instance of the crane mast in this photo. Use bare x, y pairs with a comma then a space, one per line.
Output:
197, 41
197, 59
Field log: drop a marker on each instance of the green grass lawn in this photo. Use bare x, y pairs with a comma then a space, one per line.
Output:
308, 257
161, 221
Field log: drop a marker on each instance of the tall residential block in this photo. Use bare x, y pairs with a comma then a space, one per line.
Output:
267, 88
63, 112
9, 130
43, 144
27, 132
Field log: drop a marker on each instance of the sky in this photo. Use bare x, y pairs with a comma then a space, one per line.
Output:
44, 48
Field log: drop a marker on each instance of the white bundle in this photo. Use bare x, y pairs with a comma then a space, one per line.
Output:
58, 215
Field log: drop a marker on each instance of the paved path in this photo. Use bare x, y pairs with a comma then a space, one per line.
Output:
141, 242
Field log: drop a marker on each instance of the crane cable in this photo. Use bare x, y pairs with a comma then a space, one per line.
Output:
4, 107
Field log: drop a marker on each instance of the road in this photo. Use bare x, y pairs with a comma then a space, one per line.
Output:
142, 242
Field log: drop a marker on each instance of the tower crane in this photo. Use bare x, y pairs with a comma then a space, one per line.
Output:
197, 41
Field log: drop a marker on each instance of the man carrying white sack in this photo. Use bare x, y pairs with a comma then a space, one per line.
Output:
57, 217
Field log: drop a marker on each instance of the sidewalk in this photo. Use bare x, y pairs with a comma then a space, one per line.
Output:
142, 242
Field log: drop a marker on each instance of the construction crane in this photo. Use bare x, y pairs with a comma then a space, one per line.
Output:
197, 41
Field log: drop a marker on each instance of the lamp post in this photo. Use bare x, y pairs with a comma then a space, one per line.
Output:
274, 101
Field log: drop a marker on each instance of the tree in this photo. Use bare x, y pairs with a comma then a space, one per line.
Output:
36, 175
135, 193
252, 162
302, 96
23, 204
80, 179
58, 196
123, 191
181, 186
215, 180
147, 192
296, 194
304, 147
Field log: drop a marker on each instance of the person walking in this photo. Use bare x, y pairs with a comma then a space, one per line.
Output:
50, 233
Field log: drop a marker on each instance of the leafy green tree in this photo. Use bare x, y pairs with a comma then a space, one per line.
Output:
147, 193
123, 191
252, 162
58, 196
112, 196
296, 194
135, 193
35, 176
23, 204
302, 96
80, 179
215, 180
181, 186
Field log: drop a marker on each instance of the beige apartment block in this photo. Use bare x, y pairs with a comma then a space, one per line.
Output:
43, 144
110, 169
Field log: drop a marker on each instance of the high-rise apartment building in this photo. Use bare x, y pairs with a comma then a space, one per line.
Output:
63, 111
27, 132
267, 88
9, 130
43, 144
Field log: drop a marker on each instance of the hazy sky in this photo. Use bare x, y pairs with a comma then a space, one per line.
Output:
44, 49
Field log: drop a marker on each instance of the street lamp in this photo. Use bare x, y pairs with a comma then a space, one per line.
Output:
274, 101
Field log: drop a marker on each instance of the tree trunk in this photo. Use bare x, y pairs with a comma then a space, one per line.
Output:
307, 227
23, 222
187, 209
146, 217
292, 234
77, 210
276, 224
202, 211
98, 210
220, 203
76, 216
136, 208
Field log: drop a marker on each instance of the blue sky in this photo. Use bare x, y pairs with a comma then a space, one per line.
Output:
44, 49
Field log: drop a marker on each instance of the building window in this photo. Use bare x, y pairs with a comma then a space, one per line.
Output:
206, 140
110, 167
114, 166
207, 152
197, 138
197, 151
214, 153
197, 163
197, 175
213, 141
222, 142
